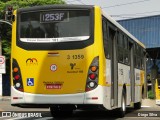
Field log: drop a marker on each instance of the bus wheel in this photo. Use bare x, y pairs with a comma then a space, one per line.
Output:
137, 105
59, 111
122, 110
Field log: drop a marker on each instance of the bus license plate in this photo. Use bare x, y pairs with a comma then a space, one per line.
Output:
53, 86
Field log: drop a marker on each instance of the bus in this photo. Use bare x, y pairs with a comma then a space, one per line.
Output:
69, 57
157, 91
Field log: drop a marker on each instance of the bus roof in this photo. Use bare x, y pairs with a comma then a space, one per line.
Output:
58, 6
122, 28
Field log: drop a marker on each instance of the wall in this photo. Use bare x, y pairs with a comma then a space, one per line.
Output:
146, 29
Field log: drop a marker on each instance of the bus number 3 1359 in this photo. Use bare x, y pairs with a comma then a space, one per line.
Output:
75, 56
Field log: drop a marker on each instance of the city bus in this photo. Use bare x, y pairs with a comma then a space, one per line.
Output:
157, 91
69, 57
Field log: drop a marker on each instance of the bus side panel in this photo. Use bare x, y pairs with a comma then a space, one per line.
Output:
137, 86
127, 83
120, 82
124, 79
107, 103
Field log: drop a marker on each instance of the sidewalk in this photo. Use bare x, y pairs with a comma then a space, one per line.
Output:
5, 98
149, 103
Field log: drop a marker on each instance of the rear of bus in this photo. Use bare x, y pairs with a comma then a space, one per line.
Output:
55, 56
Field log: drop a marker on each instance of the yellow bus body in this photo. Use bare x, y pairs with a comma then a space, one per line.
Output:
73, 81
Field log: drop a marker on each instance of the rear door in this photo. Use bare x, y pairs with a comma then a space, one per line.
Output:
114, 65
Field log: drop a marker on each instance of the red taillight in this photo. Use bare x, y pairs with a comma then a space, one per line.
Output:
94, 98
15, 97
16, 77
92, 76
21, 89
92, 79
88, 89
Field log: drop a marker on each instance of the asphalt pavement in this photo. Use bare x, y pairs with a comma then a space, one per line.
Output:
148, 107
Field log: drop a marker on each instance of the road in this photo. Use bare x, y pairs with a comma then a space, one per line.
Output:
149, 113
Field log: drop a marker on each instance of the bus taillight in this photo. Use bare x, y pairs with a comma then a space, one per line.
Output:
92, 85
92, 79
15, 69
92, 76
94, 68
17, 79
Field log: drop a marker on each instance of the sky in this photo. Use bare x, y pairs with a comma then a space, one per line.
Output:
124, 9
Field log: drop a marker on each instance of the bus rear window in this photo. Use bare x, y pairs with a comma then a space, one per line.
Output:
54, 26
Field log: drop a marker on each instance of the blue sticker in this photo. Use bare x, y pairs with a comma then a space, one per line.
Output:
30, 81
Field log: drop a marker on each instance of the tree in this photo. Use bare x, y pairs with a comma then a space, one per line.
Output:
5, 30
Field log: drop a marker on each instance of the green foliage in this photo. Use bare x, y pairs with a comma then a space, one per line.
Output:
5, 30
6, 49
151, 94
28, 3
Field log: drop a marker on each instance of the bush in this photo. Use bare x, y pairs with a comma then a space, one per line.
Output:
151, 94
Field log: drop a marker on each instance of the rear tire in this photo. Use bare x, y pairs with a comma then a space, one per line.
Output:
122, 110
137, 105
60, 111
143, 95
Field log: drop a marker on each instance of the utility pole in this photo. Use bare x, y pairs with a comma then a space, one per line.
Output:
8, 17
0, 73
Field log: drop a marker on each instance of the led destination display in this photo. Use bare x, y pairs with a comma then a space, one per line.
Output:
54, 16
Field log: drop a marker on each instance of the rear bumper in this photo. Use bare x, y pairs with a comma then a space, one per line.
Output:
78, 98
29, 98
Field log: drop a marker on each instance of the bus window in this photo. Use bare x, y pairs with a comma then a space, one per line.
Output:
54, 26
125, 42
120, 55
120, 48
105, 39
126, 57
135, 61
138, 62
120, 40
32, 22
142, 63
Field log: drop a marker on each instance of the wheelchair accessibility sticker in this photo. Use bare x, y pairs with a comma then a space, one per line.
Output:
30, 81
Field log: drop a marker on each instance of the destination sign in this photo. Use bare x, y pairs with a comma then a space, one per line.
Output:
54, 16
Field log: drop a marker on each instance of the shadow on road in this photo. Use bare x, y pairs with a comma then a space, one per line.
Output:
93, 115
